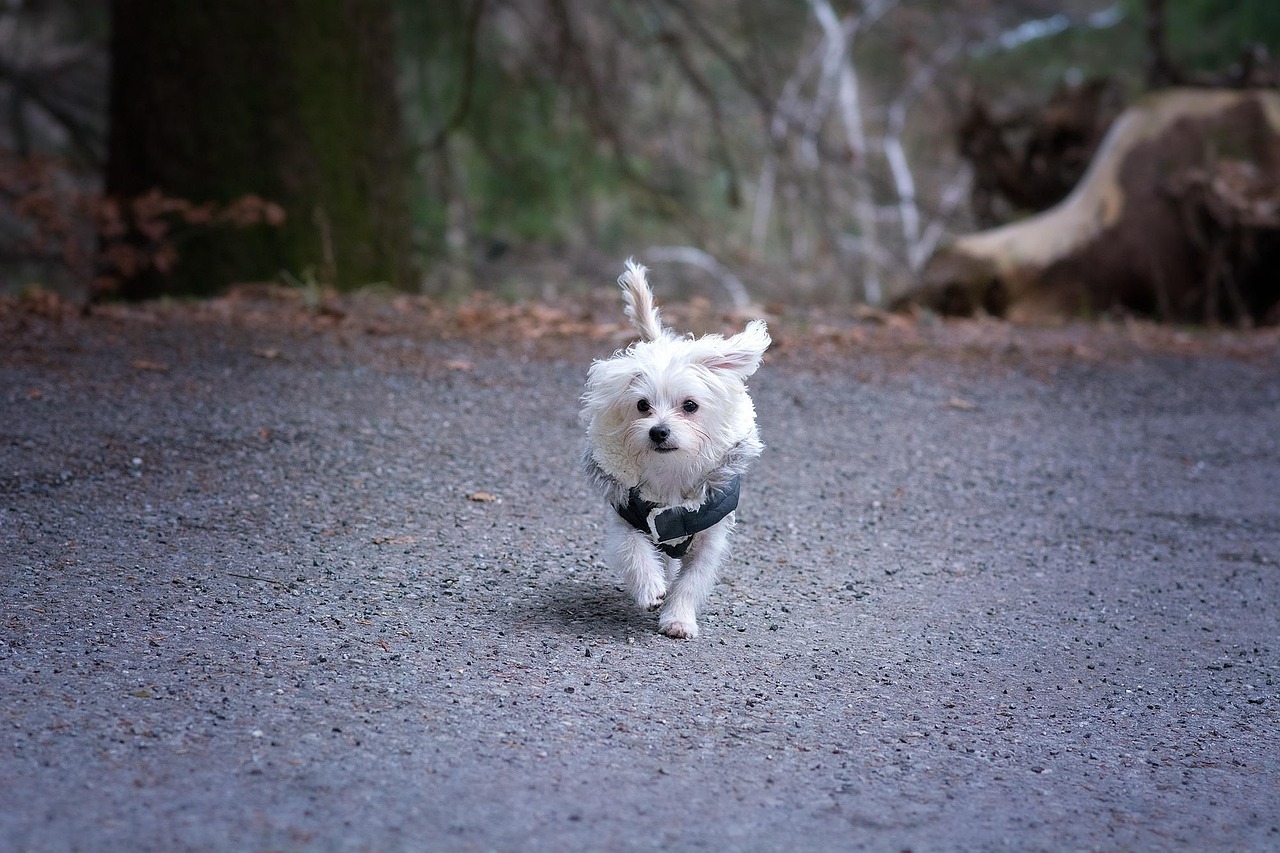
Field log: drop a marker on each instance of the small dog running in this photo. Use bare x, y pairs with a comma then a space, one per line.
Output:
670, 432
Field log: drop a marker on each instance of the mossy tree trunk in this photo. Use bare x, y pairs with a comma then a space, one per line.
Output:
292, 100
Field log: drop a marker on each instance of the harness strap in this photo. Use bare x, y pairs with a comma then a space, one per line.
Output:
672, 528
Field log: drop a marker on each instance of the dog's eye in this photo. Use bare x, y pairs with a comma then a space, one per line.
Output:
690, 406
643, 406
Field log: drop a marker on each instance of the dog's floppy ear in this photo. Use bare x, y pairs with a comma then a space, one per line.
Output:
741, 353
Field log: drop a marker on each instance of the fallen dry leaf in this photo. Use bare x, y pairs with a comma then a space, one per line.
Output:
962, 405
393, 540
482, 497
267, 353
153, 366
458, 364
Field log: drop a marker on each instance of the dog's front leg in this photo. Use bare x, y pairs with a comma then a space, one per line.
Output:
692, 586
640, 564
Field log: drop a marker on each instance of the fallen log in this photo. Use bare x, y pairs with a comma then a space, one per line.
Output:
1177, 217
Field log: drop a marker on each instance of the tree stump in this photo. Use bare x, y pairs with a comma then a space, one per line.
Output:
1176, 217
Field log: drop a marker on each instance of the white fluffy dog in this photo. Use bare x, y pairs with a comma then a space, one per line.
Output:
670, 431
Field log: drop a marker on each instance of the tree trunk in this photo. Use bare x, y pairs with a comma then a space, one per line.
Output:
292, 100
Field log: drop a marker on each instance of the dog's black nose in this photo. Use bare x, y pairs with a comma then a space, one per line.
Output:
660, 433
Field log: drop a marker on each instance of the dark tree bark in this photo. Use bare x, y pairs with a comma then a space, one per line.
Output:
291, 100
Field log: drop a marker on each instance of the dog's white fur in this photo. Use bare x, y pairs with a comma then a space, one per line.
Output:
691, 393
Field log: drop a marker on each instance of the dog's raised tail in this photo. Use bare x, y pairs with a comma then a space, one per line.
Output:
640, 308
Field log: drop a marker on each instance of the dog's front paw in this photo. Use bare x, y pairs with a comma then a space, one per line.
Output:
678, 629
651, 595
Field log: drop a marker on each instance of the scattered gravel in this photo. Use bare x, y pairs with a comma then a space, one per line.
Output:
279, 588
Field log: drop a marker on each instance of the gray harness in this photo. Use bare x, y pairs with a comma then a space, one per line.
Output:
672, 528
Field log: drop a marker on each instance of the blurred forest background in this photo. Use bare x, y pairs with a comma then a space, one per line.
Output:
756, 150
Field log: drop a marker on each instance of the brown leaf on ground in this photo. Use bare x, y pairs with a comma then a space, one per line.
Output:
482, 497
400, 539
148, 365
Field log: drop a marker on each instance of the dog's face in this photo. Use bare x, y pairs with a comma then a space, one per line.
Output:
664, 412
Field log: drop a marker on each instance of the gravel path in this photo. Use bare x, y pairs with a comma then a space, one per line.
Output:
249, 602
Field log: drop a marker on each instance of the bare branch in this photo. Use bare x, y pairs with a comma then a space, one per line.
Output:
785, 113
705, 262
738, 70
839, 61
953, 195
899, 168
466, 84
672, 41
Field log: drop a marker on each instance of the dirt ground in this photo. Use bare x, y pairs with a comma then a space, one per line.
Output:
322, 574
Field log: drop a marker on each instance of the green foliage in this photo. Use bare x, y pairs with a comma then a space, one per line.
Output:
497, 139
1208, 35
1203, 36
1032, 70
528, 159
